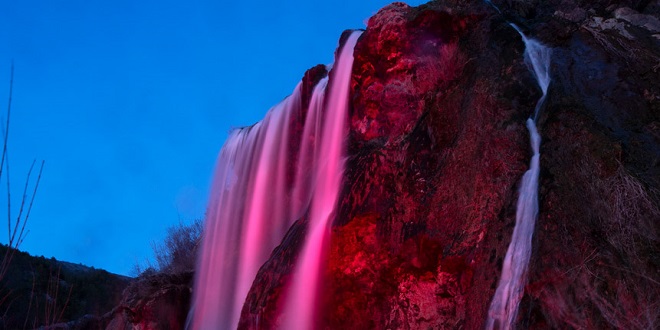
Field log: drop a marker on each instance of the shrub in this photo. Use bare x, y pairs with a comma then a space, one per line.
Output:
178, 252
616, 285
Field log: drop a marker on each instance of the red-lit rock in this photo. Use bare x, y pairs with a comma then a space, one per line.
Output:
437, 148
435, 156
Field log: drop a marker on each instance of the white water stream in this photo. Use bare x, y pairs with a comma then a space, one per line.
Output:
504, 307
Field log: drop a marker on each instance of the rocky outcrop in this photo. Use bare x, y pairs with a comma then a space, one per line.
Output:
268, 290
437, 148
436, 194
150, 302
597, 260
159, 301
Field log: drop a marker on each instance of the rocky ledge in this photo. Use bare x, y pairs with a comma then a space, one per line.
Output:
437, 146
440, 95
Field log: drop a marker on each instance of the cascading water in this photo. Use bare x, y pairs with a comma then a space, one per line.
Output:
253, 204
236, 241
301, 307
537, 57
504, 307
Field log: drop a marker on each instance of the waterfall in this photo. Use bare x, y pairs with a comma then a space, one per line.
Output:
258, 192
301, 306
504, 307
537, 57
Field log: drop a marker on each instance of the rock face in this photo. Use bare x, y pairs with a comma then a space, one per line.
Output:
437, 146
150, 302
159, 301
436, 151
597, 260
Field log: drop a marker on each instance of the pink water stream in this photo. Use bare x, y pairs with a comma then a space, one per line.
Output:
252, 204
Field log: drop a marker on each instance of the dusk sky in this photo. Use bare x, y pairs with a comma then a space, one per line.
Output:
129, 102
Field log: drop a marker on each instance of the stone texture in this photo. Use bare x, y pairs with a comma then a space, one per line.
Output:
159, 301
437, 146
648, 22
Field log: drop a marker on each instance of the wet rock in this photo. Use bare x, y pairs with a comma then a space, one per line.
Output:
599, 24
418, 220
264, 299
648, 22
437, 146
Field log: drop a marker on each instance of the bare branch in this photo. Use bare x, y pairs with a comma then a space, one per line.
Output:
6, 128
21, 236
23, 198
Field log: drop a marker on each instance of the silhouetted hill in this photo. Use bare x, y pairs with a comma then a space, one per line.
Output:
37, 291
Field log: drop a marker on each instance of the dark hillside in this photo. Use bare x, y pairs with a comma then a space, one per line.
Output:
37, 291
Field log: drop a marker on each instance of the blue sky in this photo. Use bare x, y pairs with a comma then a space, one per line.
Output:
129, 102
